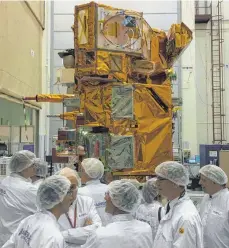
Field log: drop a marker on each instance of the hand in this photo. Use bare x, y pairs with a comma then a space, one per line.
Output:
88, 222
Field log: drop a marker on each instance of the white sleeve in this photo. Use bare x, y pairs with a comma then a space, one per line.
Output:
31, 196
202, 205
10, 243
13, 239
76, 236
54, 243
94, 216
92, 241
79, 235
188, 235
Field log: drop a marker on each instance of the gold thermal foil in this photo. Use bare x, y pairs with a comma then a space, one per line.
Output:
151, 126
114, 64
70, 116
84, 26
123, 69
53, 97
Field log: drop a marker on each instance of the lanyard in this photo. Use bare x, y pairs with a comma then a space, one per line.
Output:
167, 208
69, 220
181, 196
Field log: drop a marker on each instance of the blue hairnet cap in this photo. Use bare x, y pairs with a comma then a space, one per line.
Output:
124, 195
19, 162
52, 191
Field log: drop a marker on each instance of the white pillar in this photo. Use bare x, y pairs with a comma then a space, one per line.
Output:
45, 89
189, 125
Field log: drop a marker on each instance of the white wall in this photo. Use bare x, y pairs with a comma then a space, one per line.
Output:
203, 78
203, 83
43, 120
189, 116
20, 47
196, 81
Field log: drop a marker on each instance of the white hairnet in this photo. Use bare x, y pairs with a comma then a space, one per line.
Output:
135, 182
29, 154
149, 190
41, 167
93, 167
19, 162
214, 173
52, 191
174, 172
124, 195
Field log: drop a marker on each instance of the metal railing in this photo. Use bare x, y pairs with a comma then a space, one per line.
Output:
203, 7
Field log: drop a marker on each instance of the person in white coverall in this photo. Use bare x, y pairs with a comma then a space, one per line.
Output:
92, 171
151, 208
17, 194
82, 217
214, 208
181, 226
122, 199
41, 230
41, 172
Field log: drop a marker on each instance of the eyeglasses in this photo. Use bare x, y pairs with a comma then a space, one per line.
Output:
71, 191
33, 165
161, 179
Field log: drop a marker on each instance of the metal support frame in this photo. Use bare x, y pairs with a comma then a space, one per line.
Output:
177, 100
217, 70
